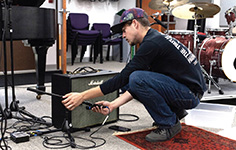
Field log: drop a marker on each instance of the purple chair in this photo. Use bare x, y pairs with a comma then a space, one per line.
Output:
78, 33
104, 28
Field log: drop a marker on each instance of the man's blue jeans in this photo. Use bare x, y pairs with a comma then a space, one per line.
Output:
161, 95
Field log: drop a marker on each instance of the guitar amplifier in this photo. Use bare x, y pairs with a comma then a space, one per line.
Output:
80, 117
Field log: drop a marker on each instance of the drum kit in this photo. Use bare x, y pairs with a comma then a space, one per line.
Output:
216, 53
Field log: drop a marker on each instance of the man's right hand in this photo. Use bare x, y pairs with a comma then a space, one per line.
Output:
72, 100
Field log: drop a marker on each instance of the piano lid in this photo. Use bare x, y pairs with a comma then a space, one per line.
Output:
29, 23
32, 3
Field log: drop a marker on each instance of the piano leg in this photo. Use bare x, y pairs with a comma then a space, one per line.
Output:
40, 62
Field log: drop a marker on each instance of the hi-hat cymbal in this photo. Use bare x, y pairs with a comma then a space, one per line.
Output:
197, 10
162, 4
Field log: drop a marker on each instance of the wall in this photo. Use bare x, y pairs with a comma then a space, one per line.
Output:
126, 4
98, 12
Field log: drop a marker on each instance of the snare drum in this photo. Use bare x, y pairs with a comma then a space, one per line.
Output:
184, 36
217, 31
221, 51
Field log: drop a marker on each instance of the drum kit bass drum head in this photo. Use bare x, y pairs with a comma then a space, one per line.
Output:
217, 52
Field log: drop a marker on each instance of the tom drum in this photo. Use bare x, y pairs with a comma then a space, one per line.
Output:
184, 36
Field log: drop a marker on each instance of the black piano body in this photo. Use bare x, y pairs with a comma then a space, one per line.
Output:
35, 25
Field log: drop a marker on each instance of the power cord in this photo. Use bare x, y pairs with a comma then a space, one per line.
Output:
26, 125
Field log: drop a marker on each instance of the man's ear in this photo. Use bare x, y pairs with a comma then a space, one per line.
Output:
135, 23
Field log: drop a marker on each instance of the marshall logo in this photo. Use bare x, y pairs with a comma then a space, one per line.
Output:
92, 82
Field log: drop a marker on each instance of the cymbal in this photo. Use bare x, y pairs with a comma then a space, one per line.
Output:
202, 10
162, 4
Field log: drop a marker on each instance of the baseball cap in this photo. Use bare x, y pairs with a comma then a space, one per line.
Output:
130, 14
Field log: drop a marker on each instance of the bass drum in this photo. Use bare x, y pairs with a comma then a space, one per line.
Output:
184, 36
219, 52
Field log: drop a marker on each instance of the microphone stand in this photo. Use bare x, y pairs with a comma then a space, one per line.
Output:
168, 19
66, 126
14, 104
158, 22
3, 114
4, 51
4, 3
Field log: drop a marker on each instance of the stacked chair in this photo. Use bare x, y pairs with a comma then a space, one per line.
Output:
78, 33
104, 28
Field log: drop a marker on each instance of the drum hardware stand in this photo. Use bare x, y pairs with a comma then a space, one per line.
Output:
230, 32
168, 18
7, 4
209, 77
212, 62
212, 80
195, 32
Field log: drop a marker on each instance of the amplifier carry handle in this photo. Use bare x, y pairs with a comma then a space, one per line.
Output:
84, 70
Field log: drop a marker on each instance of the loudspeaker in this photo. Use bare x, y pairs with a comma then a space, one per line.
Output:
80, 117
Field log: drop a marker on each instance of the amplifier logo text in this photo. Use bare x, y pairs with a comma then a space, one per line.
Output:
92, 82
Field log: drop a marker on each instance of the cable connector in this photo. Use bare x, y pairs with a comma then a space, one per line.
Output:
105, 120
35, 133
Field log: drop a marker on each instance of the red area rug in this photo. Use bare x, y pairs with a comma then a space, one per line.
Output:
190, 138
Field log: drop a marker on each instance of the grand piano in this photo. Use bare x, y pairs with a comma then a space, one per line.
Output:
34, 25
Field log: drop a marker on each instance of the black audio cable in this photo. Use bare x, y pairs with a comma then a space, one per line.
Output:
3, 130
55, 142
136, 118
